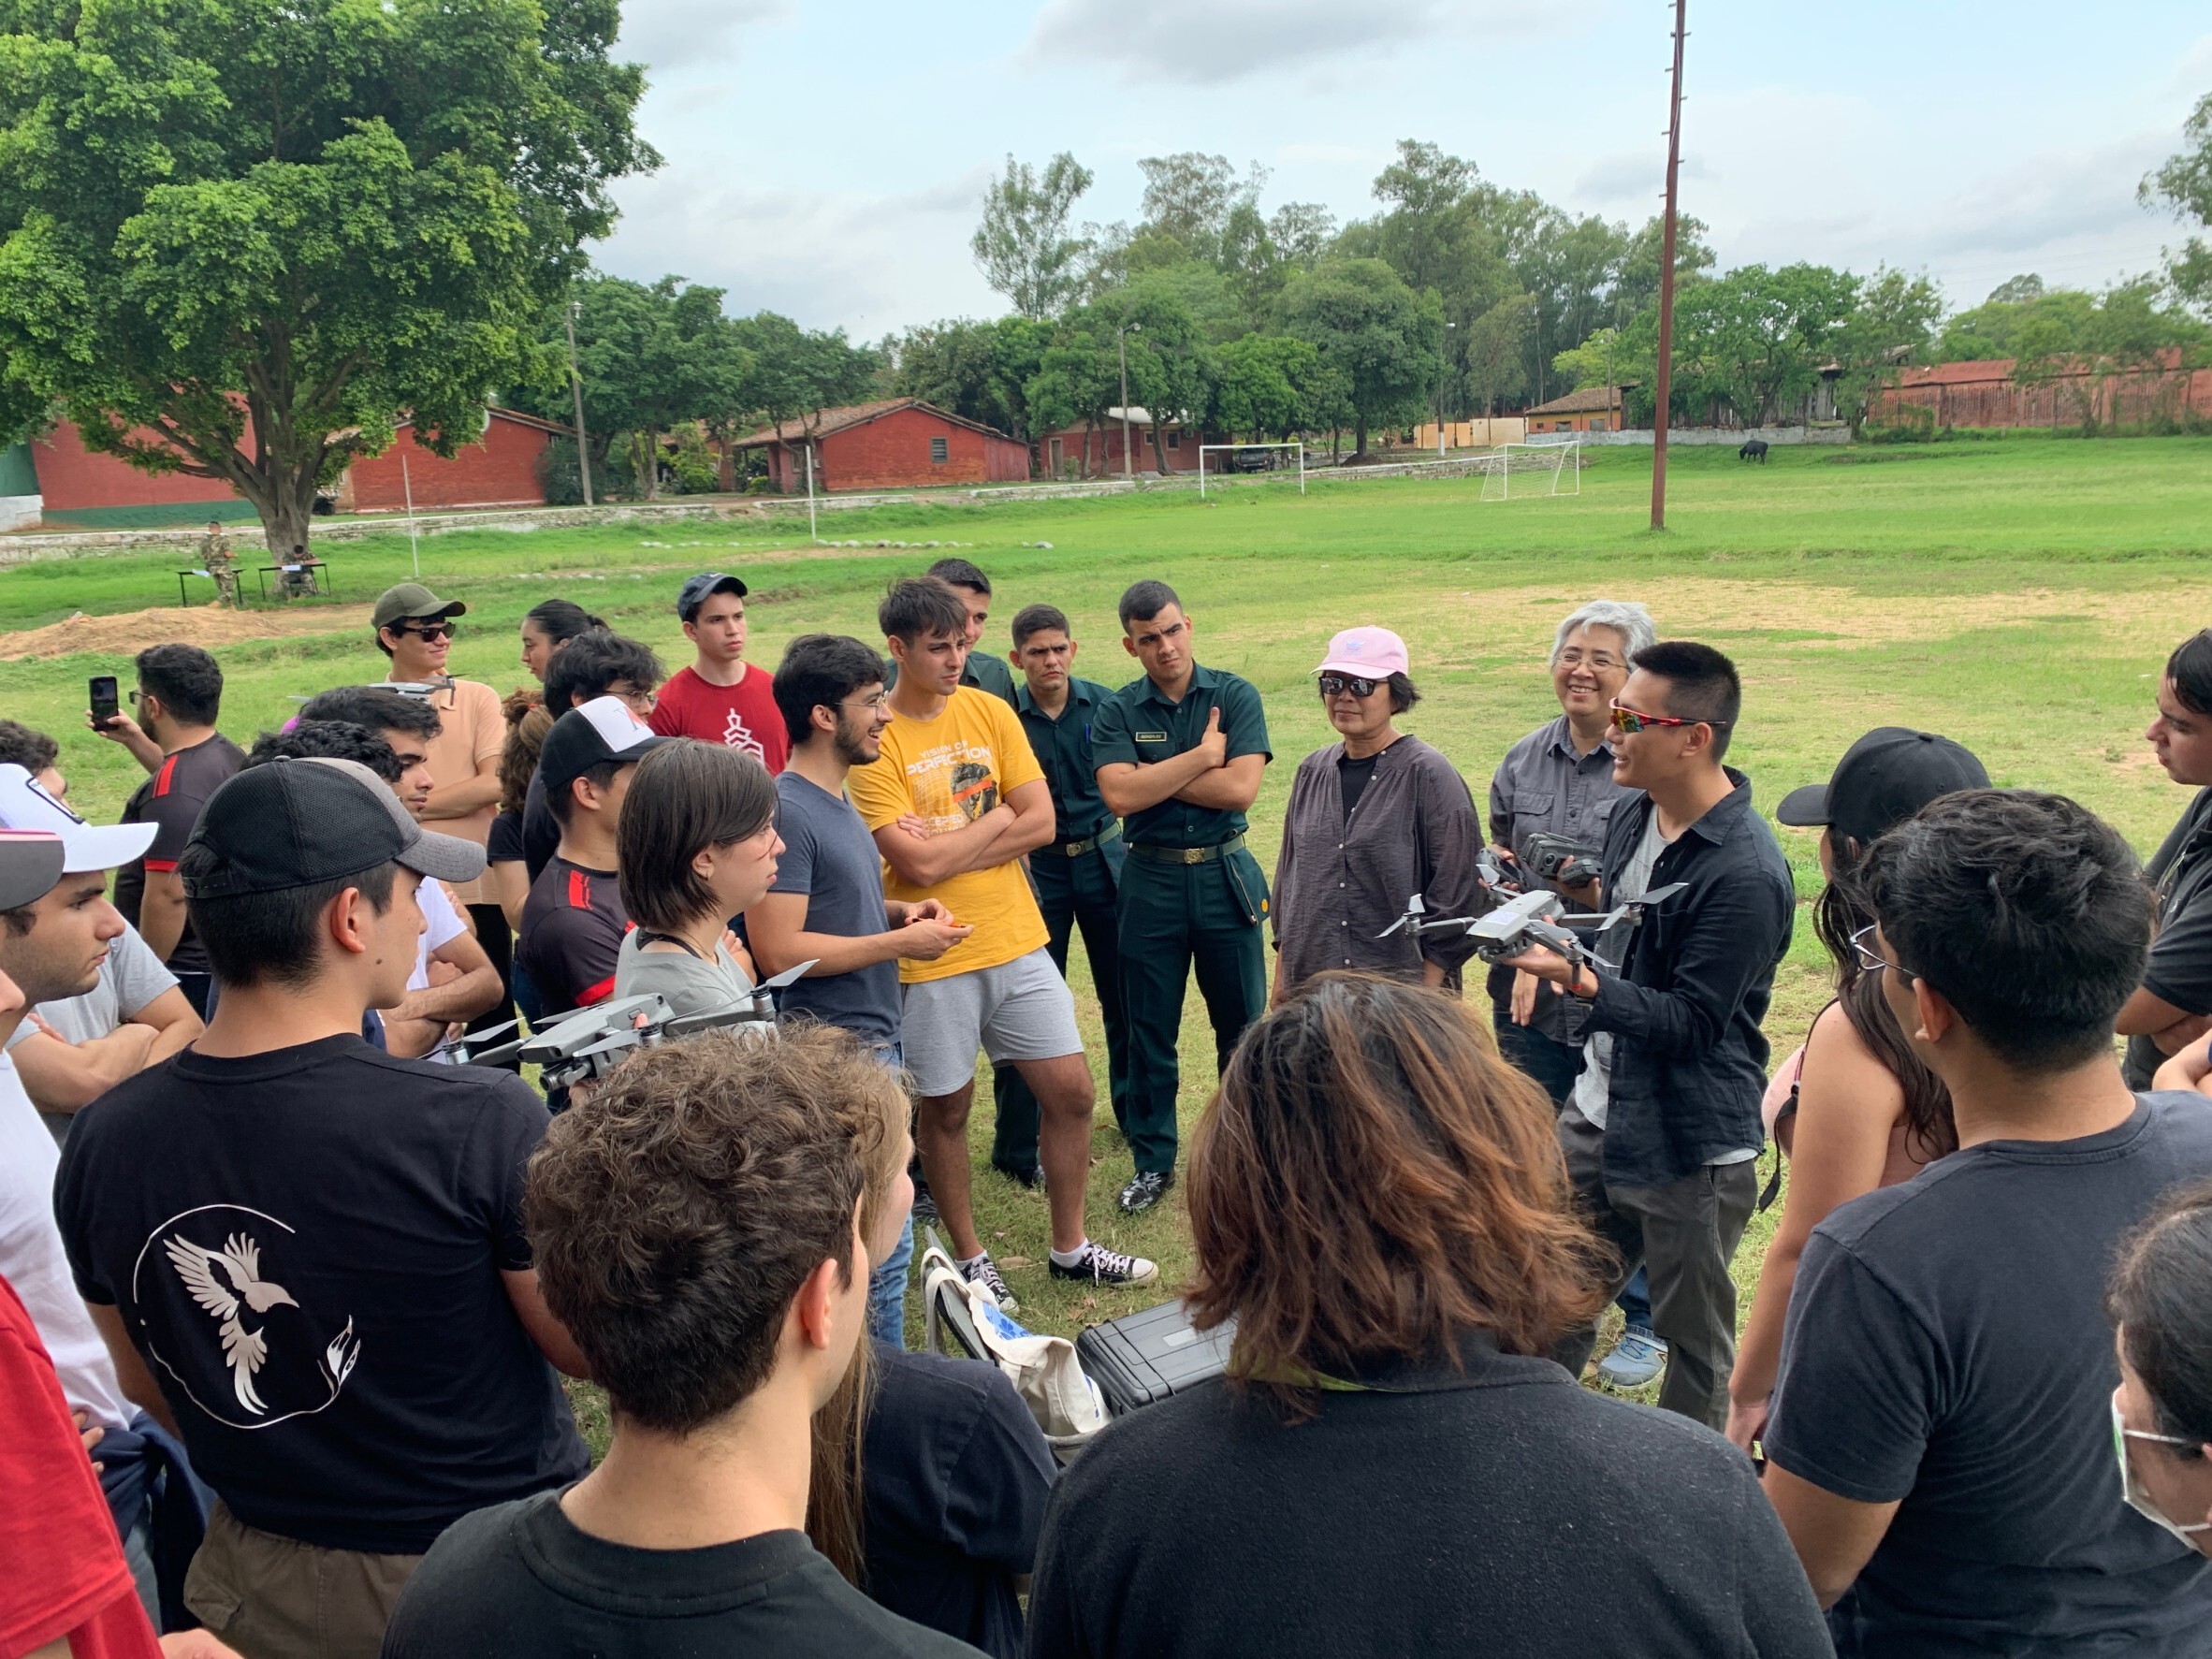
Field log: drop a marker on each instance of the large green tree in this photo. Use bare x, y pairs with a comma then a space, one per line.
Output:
239, 238
1023, 246
2184, 185
1375, 331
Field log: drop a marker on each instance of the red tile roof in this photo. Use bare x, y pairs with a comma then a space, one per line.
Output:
855, 414
1591, 399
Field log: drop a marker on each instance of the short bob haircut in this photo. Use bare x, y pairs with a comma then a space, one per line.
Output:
1460, 1218
1624, 617
2160, 1297
675, 1215
1403, 692
922, 607
685, 797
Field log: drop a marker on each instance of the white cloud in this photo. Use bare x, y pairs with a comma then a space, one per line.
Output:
871, 263
671, 34
1209, 42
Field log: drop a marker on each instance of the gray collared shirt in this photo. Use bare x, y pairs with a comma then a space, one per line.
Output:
1340, 882
1543, 786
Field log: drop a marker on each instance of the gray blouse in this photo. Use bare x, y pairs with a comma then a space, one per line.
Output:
1340, 881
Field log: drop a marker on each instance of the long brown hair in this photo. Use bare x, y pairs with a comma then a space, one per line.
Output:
1841, 912
528, 722
876, 1118
1370, 1182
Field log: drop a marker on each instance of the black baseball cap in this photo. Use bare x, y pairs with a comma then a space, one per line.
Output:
694, 593
291, 823
590, 734
1882, 780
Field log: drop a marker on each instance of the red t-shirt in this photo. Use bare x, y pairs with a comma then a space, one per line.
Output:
65, 1573
744, 716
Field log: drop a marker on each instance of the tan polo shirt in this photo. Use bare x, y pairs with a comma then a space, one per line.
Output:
475, 732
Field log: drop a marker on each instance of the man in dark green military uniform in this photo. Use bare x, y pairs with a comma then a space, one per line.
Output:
1077, 874
1179, 756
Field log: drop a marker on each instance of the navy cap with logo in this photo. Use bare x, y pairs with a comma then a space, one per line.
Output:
1882, 780
694, 592
299, 824
589, 736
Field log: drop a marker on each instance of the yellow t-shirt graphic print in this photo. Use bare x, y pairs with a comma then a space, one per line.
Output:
949, 772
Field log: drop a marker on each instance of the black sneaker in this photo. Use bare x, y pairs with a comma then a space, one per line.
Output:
1102, 1266
1032, 1178
984, 1272
1146, 1189
924, 1206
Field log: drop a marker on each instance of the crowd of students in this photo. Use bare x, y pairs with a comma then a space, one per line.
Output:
286, 1297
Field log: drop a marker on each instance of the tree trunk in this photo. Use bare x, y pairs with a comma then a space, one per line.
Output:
726, 467
1360, 437
1159, 449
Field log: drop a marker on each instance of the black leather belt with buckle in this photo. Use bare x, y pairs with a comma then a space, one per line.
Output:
1185, 854
1077, 849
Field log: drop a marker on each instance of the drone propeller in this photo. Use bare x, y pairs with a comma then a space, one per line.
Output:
1415, 908
788, 976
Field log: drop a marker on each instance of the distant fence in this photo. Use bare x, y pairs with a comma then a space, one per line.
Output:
2076, 398
1730, 437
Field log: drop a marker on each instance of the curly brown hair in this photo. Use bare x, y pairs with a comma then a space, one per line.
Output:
528, 722
677, 1212
1370, 1182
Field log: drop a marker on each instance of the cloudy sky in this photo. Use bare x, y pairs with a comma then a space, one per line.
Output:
827, 160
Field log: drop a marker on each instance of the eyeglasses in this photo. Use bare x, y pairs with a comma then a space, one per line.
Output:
1635, 719
1336, 685
1872, 961
875, 704
430, 630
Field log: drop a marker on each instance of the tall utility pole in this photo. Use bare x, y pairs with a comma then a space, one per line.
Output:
575, 382
1665, 376
1443, 382
1121, 341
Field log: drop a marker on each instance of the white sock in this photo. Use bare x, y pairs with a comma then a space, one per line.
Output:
1072, 1257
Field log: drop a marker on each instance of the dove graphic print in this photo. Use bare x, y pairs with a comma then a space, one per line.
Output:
243, 1304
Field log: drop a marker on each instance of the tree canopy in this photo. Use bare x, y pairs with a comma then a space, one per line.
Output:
241, 239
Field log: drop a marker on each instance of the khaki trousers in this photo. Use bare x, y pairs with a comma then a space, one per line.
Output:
272, 1597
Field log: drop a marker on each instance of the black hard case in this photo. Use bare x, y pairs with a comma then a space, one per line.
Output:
1146, 1357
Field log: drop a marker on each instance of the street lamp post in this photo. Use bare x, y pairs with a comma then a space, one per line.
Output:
576, 381
1122, 346
1443, 382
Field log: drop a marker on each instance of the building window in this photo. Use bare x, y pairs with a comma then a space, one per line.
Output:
938, 450
1597, 423
1175, 440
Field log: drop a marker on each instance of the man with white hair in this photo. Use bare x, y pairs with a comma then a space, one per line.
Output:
1558, 780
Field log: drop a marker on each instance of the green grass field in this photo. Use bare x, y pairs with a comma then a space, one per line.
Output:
2018, 596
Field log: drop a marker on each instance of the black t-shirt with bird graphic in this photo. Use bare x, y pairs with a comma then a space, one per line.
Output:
306, 1248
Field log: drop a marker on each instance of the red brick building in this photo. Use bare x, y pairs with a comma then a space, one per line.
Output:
78, 486
1064, 454
894, 443
1984, 394
499, 470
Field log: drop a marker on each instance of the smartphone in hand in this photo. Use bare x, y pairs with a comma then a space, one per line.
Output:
107, 701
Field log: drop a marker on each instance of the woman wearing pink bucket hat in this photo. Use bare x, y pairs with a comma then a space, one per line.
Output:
1374, 818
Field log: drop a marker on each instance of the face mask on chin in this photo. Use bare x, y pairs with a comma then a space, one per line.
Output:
2132, 1488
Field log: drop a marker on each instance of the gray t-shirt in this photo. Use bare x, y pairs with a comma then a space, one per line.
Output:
830, 857
688, 985
1593, 1089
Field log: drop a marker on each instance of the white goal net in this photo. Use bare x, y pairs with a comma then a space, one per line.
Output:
1255, 458
1519, 471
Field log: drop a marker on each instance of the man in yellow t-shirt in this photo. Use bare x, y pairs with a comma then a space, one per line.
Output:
954, 800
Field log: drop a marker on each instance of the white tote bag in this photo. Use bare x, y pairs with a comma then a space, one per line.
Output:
1043, 1370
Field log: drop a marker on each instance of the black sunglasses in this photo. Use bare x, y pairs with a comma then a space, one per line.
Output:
428, 630
1335, 685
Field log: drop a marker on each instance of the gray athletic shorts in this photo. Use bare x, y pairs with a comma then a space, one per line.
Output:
1019, 1010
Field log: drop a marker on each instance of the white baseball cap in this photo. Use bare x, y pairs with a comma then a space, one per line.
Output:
85, 847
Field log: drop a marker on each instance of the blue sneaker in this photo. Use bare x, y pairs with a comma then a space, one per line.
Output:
1637, 1359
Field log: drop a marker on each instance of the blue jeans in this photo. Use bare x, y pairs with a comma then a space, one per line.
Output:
887, 1280
1635, 1300
887, 1291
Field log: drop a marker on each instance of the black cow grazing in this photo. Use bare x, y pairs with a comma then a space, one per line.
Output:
1753, 449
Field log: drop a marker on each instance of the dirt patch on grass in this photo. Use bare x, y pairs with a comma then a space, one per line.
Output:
205, 626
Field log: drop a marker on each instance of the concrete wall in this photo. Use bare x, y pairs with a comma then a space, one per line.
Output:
1483, 433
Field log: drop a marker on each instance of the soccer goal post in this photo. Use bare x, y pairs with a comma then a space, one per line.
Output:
1238, 452
1525, 469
